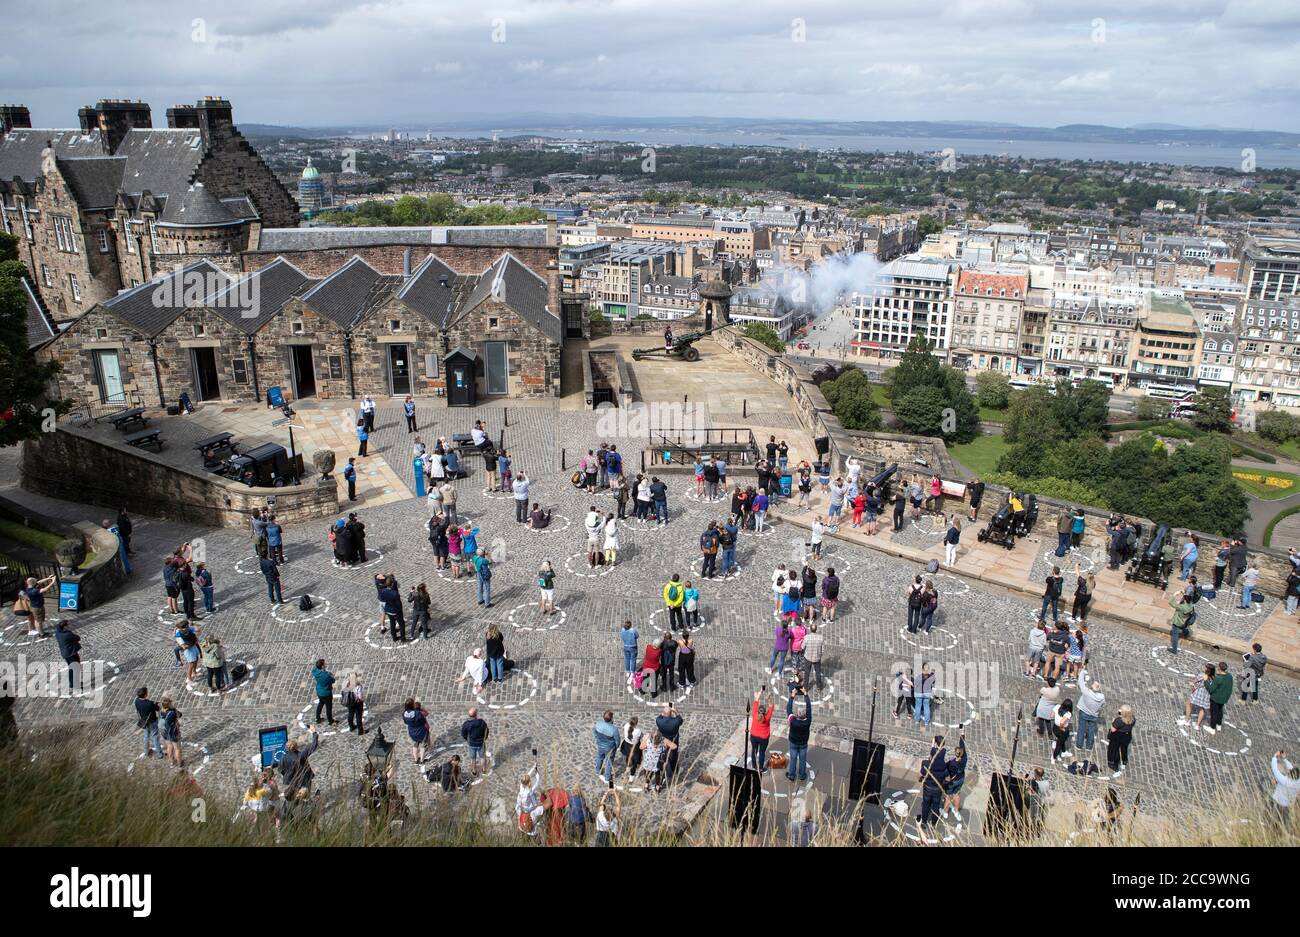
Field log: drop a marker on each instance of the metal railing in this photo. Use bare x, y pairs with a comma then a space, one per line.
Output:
675, 447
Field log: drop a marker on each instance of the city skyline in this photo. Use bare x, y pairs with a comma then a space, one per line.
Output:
1220, 63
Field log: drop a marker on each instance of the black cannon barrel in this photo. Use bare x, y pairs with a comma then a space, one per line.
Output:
881, 477
1002, 519
1152, 553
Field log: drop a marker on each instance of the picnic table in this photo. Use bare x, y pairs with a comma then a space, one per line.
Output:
128, 418
217, 442
146, 437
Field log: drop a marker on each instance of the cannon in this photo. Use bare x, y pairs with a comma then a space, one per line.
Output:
682, 348
1025, 520
1001, 528
882, 481
1154, 562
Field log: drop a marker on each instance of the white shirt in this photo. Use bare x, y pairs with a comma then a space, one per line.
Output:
1287, 787
593, 525
780, 574
475, 669
606, 824
367, 405
478, 436
855, 469
611, 535
817, 529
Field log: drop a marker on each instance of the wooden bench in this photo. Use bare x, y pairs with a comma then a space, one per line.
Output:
146, 437
129, 418
211, 445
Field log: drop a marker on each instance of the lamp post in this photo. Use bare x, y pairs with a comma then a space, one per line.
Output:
379, 757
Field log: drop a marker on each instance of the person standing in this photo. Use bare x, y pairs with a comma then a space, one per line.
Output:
932, 773
324, 683
1052, 589
170, 717
1237, 561
954, 779
900, 506
295, 766
520, 488
620, 496
915, 599
709, 550
368, 413
1221, 563
649, 665
203, 578
147, 721
1249, 580
1180, 624
1077, 524
124, 528
1189, 555
798, 711
611, 540
421, 603
1082, 597
1220, 690
416, 718
813, 650
950, 541
494, 645
363, 438
69, 643
391, 600
1062, 715
674, 599
1064, 522
922, 693
686, 660
628, 637
408, 407
781, 639
1287, 776
214, 660
975, 489
1252, 673
354, 698
185, 582
1091, 700
669, 725
607, 818
1119, 739
608, 737
816, 534
449, 501
271, 573
483, 573
667, 676
474, 730
659, 494
275, 539
759, 510
760, 728
350, 476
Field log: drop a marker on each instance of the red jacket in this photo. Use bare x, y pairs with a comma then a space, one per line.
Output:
651, 661
760, 728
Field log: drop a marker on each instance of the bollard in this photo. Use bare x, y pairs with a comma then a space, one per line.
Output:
506, 416
643, 461
564, 464
744, 408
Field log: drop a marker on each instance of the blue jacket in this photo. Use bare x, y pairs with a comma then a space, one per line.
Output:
349, 472
607, 735
324, 681
799, 728
629, 636
273, 532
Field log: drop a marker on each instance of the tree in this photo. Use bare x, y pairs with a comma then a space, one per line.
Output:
917, 368
1277, 426
927, 225
1026, 458
1081, 410
1084, 460
993, 389
922, 411
963, 406
24, 405
1031, 416
1151, 408
1212, 410
850, 398
764, 334
8, 246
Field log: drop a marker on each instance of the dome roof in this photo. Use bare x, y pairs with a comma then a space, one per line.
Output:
311, 172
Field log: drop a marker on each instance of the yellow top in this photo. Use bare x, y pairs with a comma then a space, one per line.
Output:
1016, 505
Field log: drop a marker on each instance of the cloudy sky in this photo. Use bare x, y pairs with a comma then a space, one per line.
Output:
1229, 63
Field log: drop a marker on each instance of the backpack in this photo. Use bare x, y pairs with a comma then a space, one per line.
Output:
932, 566
305, 604
1196, 595
674, 592
576, 812
913, 599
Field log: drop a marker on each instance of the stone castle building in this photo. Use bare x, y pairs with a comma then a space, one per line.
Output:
110, 204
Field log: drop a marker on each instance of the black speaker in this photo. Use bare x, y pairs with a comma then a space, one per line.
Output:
238, 672
867, 770
872, 826
823, 444
744, 797
1007, 811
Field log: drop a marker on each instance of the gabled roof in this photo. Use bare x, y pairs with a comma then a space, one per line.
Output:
151, 307
160, 161
348, 293
196, 207
426, 294
40, 325
511, 283
21, 149
250, 302
463, 352
94, 181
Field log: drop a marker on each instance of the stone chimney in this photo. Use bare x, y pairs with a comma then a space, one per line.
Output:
552, 237
216, 118
553, 288
183, 117
13, 116
114, 119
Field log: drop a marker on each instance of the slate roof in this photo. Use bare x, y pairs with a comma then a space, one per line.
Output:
94, 181
160, 161
40, 326
21, 148
281, 240
196, 207
249, 302
510, 282
151, 307
350, 292
424, 292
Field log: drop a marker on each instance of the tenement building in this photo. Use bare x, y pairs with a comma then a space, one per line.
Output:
987, 312
911, 297
110, 204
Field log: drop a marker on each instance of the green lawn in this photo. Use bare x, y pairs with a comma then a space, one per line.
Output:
1267, 485
990, 415
981, 455
881, 396
32, 536
1291, 448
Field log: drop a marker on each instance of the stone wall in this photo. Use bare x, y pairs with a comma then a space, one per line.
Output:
533, 361
74, 350
71, 465
104, 575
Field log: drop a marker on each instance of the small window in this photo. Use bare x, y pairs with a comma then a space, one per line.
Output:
296, 327
240, 368
103, 240
200, 330
336, 367
101, 335
45, 275
494, 322
394, 325
126, 236
76, 287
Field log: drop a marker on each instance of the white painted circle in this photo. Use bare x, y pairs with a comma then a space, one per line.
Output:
915, 639
634, 789
834, 560
665, 698
920, 836
550, 622
930, 528
800, 791
769, 529
1072, 559
779, 683
384, 642
464, 764
1171, 662
551, 527
256, 562
92, 691
697, 567
646, 525
572, 562
328, 730
960, 587
1069, 684
320, 611
202, 749
200, 688
1211, 742
168, 617
532, 691
1231, 608
493, 495
22, 628
373, 558
657, 629
972, 713
446, 576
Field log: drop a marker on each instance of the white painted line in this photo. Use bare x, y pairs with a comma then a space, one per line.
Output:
200, 687
547, 622
532, 691
916, 639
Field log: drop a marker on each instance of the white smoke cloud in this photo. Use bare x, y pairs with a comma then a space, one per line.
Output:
826, 284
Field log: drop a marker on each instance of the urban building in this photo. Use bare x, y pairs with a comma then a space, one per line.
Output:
1090, 336
988, 306
1168, 349
311, 191
913, 296
669, 297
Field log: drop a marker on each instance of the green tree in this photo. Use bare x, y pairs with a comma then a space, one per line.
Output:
1026, 458
1031, 417
1212, 410
1086, 461
850, 398
917, 368
24, 380
927, 225
1151, 408
963, 406
1081, 410
1277, 426
8, 246
764, 334
993, 389
922, 411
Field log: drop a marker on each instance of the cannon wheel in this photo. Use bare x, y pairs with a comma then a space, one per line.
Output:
982, 535
691, 353
1011, 543
1164, 585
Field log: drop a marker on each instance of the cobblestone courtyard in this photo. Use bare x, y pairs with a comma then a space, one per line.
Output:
570, 667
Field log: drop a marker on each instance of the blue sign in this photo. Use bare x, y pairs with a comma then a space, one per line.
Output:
69, 596
276, 396
272, 743
121, 548
419, 477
